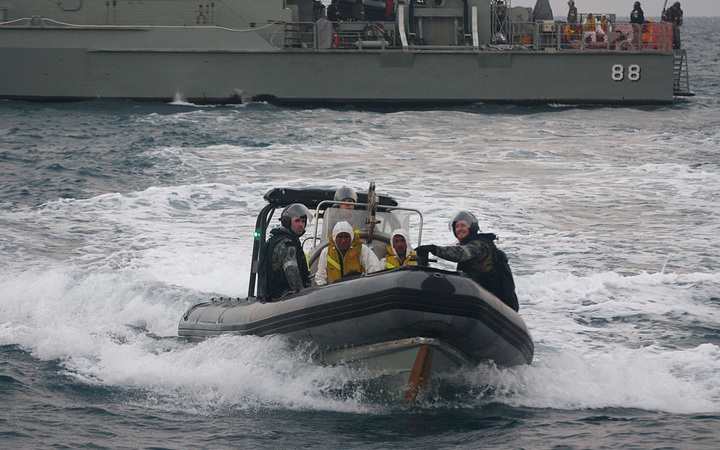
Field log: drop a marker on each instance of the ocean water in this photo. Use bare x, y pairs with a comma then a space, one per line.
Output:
118, 216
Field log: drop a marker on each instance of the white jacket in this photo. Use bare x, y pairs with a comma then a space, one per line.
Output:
368, 260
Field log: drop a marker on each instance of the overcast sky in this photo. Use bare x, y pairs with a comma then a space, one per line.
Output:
622, 8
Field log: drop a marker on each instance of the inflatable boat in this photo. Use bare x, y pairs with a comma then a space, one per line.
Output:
408, 322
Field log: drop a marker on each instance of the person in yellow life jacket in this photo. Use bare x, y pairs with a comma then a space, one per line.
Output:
399, 253
344, 256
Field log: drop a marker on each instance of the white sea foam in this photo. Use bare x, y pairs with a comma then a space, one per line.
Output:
615, 256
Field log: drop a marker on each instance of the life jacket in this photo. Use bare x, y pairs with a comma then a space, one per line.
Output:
272, 282
339, 267
493, 273
392, 261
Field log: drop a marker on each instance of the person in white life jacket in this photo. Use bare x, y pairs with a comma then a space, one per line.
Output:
399, 252
344, 256
478, 257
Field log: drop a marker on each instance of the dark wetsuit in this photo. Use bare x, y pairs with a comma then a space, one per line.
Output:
637, 16
482, 261
675, 17
282, 266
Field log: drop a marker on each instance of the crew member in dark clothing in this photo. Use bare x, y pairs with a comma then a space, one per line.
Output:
333, 13
478, 257
637, 15
572, 12
283, 266
674, 15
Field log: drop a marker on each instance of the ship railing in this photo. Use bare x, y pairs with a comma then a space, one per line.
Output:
545, 35
300, 35
551, 35
345, 35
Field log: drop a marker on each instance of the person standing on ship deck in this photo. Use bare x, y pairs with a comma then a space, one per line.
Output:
674, 15
572, 12
333, 13
637, 15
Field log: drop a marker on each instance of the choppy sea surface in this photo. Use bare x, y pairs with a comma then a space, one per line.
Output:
118, 216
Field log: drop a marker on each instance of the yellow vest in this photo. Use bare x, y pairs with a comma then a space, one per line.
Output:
392, 261
350, 262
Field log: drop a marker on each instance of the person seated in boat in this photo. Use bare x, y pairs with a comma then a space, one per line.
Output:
346, 194
345, 255
283, 266
478, 257
399, 253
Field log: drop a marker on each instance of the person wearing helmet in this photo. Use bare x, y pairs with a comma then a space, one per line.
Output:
674, 15
572, 12
399, 253
637, 15
478, 257
346, 194
283, 267
345, 255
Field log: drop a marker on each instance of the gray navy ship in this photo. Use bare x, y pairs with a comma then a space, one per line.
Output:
370, 52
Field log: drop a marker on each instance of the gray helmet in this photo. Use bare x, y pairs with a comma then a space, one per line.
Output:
292, 211
345, 192
467, 217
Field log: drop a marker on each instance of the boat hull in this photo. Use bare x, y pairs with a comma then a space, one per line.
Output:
171, 63
374, 310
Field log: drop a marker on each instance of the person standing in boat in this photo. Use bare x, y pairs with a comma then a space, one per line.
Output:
674, 15
478, 257
345, 255
283, 266
572, 13
399, 253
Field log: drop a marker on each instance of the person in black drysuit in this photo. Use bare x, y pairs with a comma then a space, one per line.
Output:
674, 15
283, 267
478, 257
333, 13
637, 15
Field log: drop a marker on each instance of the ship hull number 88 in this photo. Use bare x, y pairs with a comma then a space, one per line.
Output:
619, 73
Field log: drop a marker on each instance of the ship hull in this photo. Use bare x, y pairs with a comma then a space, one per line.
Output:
165, 64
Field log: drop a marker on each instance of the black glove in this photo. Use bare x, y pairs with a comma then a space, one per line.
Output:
423, 250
